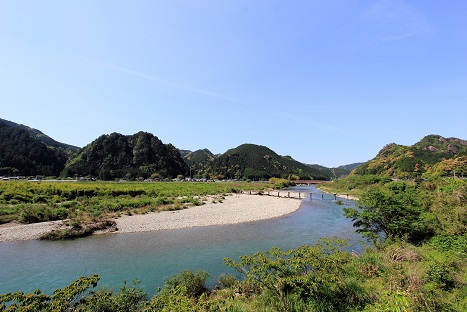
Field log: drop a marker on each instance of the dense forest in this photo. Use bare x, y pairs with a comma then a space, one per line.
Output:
67, 148
141, 155
24, 155
417, 161
197, 161
28, 152
256, 162
336, 173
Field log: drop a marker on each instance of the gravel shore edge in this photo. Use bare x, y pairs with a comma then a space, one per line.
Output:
237, 208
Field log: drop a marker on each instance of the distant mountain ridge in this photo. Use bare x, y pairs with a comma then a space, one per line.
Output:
42, 137
336, 173
28, 151
401, 161
251, 161
22, 154
197, 157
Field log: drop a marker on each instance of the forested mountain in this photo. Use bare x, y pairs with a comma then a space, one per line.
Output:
336, 173
183, 153
27, 151
24, 154
350, 167
69, 149
199, 157
432, 155
141, 155
250, 161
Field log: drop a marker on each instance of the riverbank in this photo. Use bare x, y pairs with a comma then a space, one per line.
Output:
234, 209
345, 196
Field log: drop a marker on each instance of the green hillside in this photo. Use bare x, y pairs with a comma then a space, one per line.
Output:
250, 161
42, 137
336, 173
199, 157
141, 155
350, 167
24, 154
413, 161
183, 153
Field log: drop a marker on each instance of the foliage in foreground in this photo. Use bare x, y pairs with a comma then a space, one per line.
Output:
322, 277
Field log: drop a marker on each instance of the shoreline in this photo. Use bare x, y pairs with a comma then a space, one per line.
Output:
349, 197
345, 196
237, 208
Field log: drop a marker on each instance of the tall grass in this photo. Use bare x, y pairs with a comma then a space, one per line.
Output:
36, 202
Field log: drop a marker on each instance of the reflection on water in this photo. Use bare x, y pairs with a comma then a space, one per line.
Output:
152, 256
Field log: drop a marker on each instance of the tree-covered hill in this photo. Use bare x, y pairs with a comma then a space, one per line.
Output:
197, 162
350, 167
183, 153
67, 148
143, 155
24, 154
413, 161
140, 155
250, 161
336, 173
199, 157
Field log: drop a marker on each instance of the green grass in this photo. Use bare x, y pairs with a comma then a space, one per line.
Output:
36, 202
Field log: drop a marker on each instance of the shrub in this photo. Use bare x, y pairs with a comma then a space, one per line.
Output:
40, 213
193, 282
392, 211
126, 299
228, 280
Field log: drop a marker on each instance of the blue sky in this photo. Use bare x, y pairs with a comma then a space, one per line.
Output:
327, 82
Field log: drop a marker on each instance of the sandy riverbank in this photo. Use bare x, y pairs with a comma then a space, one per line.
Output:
234, 209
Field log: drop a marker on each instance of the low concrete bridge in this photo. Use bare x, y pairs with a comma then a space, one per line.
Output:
308, 182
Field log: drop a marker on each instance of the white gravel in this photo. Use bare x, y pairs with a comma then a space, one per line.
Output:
20, 232
233, 209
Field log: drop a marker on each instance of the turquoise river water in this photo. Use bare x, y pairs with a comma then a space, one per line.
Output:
153, 256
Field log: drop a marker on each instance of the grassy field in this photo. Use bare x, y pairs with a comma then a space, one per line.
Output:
29, 202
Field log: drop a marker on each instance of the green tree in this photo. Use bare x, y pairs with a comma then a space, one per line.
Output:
313, 277
392, 211
62, 299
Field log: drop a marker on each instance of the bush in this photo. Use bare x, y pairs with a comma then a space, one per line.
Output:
392, 211
193, 282
228, 281
40, 213
126, 299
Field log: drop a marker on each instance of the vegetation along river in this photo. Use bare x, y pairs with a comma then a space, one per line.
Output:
151, 257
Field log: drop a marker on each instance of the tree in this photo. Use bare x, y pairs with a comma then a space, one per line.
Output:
62, 299
391, 211
314, 275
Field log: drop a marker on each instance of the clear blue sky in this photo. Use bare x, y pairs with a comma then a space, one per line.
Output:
327, 82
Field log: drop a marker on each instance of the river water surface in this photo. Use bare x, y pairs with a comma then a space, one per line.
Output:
153, 256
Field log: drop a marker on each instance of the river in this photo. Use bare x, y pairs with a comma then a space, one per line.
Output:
153, 256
